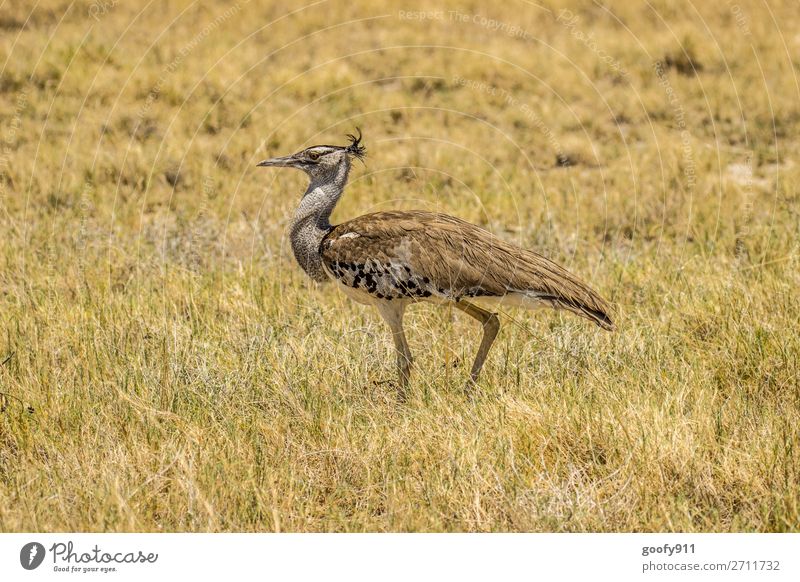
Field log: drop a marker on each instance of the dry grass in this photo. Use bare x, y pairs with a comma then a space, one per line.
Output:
184, 375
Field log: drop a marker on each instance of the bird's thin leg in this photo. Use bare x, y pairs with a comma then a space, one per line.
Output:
491, 325
393, 314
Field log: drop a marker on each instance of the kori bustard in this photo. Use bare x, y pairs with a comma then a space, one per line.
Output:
392, 259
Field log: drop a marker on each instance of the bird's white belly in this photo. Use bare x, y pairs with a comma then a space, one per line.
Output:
512, 299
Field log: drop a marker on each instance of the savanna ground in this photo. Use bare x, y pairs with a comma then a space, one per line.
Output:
167, 367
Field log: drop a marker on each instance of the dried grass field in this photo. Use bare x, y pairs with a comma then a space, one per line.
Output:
166, 366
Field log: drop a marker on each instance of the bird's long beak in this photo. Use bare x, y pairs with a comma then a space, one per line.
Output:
282, 162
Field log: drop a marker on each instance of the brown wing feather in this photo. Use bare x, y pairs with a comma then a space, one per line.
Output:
458, 260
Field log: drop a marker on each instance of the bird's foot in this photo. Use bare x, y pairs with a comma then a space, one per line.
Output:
471, 389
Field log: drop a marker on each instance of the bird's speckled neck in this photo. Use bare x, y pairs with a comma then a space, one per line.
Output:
312, 220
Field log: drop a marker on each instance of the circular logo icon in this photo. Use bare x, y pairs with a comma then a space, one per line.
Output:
31, 555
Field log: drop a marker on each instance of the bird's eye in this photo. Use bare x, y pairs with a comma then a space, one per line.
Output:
313, 156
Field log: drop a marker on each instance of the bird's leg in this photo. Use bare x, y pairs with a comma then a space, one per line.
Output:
393, 314
491, 325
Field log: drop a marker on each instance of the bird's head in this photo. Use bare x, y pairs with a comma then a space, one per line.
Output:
321, 160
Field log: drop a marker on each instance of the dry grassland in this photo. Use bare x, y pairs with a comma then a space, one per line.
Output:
167, 367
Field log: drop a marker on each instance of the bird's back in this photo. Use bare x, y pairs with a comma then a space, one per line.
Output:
422, 255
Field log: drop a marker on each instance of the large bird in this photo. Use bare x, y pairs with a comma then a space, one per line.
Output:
393, 259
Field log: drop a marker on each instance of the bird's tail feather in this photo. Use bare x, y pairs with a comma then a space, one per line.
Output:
599, 316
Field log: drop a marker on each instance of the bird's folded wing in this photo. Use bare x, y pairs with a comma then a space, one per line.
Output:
458, 259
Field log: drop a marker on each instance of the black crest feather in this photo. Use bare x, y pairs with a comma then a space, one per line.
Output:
355, 148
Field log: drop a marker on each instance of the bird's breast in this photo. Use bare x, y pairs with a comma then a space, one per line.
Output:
381, 280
